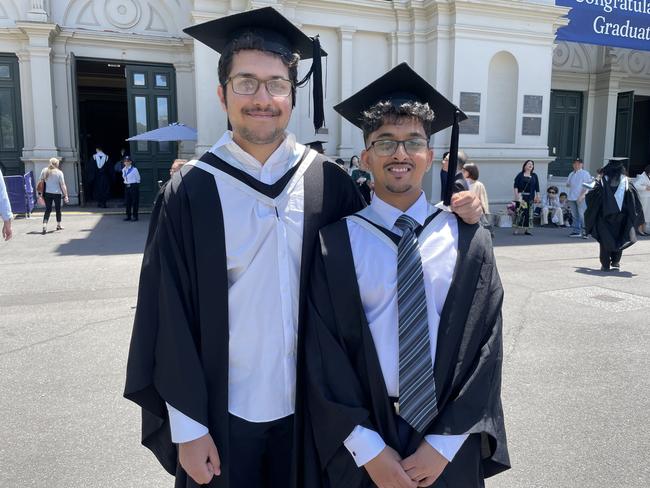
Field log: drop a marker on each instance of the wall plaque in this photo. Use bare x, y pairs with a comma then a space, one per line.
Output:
470, 102
533, 104
471, 125
531, 126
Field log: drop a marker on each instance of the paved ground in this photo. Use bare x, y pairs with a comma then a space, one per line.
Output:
576, 366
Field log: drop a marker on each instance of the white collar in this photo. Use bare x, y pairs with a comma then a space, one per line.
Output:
388, 214
281, 155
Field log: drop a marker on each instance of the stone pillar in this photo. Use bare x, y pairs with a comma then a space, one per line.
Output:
346, 46
40, 68
37, 12
211, 119
185, 87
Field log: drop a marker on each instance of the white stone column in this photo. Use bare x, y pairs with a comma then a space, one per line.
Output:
185, 89
40, 36
211, 120
37, 12
346, 46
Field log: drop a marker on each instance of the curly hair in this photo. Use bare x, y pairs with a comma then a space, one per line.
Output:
385, 112
251, 41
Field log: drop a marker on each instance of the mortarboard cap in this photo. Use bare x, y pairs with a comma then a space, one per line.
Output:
278, 35
401, 85
317, 145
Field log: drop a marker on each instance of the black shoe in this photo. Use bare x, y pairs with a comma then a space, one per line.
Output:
605, 268
43, 232
528, 233
127, 219
616, 265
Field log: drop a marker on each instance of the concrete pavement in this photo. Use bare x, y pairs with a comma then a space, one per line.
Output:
575, 371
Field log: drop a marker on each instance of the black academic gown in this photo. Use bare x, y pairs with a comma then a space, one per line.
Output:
179, 346
345, 383
613, 228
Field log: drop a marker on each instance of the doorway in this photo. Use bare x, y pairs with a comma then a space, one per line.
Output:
564, 130
632, 134
103, 122
118, 100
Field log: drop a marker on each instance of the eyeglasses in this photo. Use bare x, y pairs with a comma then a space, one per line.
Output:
248, 85
388, 147
552, 193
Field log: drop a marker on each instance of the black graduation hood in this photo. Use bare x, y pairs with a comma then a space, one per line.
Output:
400, 85
279, 36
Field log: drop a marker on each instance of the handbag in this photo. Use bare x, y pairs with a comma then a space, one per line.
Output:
40, 187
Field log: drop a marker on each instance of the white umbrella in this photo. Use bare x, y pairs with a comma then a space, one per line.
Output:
173, 132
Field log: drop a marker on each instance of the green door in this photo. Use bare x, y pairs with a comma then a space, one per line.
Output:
624, 125
11, 125
564, 130
151, 92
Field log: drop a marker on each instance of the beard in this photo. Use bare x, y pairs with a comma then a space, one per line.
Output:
261, 138
399, 189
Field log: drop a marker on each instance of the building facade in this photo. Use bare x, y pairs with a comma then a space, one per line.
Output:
76, 74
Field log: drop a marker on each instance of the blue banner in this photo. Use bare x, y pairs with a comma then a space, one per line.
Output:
618, 23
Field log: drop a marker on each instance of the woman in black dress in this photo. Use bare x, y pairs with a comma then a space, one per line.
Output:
526, 190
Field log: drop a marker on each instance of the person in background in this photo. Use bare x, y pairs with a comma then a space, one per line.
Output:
362, 178
131, 177
5, 210
176, 166
470, 173
101, 185
55, 189
642, 185
460, 183
566, 212
526, 189
116, 180
613, 214
551, 205
576, 197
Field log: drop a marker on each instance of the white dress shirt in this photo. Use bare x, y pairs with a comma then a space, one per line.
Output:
263, 247
5, 206
375, 262
574, 183
130, 175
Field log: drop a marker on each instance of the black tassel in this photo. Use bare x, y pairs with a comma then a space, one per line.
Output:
316, 71
453, 161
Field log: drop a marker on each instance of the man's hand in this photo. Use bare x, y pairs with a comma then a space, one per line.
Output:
386, 472
424, 465
6, 230
200, 459
467, 206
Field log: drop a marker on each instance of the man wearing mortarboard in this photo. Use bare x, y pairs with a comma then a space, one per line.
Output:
404, 361
217, 333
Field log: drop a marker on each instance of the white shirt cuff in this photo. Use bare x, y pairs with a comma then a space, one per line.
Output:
446, 445
183, 428
364, 445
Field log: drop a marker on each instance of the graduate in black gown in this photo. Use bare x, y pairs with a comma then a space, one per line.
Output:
613, 214
217, 334
404, 371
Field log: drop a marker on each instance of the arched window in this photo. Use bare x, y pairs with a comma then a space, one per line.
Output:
503, 85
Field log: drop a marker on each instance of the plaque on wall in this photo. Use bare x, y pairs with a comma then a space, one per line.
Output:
470, 126
470, 102
532, 126
533, 104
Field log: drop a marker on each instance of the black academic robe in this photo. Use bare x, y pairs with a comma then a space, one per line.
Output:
613, 228
345, 383
179, 346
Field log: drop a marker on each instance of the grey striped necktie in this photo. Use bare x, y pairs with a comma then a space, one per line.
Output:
417, 390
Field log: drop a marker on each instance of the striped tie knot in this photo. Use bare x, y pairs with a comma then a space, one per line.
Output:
406, 223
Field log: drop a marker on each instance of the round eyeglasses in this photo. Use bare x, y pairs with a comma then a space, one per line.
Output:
388, 147
248, 85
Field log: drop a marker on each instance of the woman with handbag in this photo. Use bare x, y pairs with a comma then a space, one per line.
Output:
526, 188
51, 188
